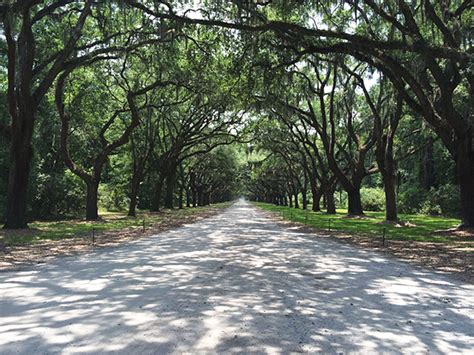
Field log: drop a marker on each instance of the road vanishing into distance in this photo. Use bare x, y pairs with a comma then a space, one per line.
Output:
238, 282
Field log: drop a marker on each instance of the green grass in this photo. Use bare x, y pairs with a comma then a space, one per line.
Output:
110, 221
422, 228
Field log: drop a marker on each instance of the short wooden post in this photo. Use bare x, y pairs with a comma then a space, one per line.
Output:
329, 225
144, 225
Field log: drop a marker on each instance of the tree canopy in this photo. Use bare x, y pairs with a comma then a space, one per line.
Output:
150, 104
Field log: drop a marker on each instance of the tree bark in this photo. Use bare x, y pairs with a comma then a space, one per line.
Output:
330, 203
170, 187
200, 197
156, 202
304, 198
92, 211
188, 197
316, 199
390, 197
354, 203
207, 199
17, 194
465, 175
181, 197
297, 204
134, 188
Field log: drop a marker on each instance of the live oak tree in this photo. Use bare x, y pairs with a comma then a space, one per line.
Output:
305, 140
274, 139
400, 73
213, 176
387, 111
33, 63
191, 128
77, 32
347, 140
114, 120
423, 48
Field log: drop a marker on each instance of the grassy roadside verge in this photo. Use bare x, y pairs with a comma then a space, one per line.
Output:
48, 239
110, 221
416, 228
419, 241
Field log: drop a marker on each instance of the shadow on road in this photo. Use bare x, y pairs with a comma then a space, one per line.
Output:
233, 283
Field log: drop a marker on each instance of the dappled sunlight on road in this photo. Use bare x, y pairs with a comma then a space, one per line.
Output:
236, 282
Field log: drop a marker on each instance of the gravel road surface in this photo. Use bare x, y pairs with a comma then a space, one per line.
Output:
234, 283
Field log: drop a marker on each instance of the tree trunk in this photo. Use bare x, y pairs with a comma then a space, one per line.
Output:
305, 200
200, 197
354, 203
207, 199
390, 197
17, 194
316, 199
297, 204
188, 197
386, 164
465, 175
156, 202
92, 211
170, 186
290, 199
134, 188
330, 203
180, 197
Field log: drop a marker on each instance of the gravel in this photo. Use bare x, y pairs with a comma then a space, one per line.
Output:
234, 283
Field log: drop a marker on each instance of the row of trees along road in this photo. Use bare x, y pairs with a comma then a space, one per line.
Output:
424, 49
341, 91
126, 93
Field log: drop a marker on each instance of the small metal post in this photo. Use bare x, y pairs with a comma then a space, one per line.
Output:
383, 236
93, 236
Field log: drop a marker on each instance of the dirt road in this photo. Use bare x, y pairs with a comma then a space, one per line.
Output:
236, 282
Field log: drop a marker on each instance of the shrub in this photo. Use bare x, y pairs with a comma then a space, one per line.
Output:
431, 208
113, 197
410, 199
56, 194
373, 199
444, 200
